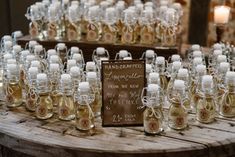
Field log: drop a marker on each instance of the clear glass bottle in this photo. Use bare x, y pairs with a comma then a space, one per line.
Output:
128, 30
119, 23
147, 32
95, 86
73, 30
13, 86
149, 56
44, 106
53, 24
30, 89
39, 52
122, 54
109, 34
66, 109
94, 28
85, 119
177, 115
160, 67
70, 63
100, 53
206, 107
61, 50
227, 107
153, 116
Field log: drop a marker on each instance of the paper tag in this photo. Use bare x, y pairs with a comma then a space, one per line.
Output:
42, 110
63, 111
108, 37
147, 38
152, 125
84, 123
71, 34
128, 37
179, 121
92, 35
226, 109
203, 114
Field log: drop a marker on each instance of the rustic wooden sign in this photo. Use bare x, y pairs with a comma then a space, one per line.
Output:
122, 83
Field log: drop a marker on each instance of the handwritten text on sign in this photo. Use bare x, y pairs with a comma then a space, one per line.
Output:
122, 82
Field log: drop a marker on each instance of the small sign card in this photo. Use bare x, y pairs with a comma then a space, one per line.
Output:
122, 83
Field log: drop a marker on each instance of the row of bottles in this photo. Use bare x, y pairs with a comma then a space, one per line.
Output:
106, 21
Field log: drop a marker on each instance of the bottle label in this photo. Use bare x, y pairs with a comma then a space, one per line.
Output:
51, 32
42, 111
9, 98
64, 111
179, 121
72, 34
147, 38
92, 35
204, 115
34, 30
152, 125
128, 37
31, 101
108, 37
84, 123
226, 109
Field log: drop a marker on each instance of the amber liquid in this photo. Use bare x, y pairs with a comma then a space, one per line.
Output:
73, 32
109, 34
147, 35
153, 124
205, 111
227, 108
14, 94
177, 116
66, 108
52, 31
34, 30
44, 106
84, 119
128, 35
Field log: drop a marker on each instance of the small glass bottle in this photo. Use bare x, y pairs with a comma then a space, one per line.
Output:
122, 54
119, 23
206, 107
160, 67
94, 28
39, 51
153, 116
177, 116
73, 27
61, 50
75, 74
53, 24
93, 80
66, 103
44, 106
30, 89
128, 30
13, 86
227, 107
34, 26
149, 56
84, 114
109, 34
100, 53
172, 59
147, 32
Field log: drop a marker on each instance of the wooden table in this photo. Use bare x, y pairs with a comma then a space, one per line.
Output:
88, 47
22, 135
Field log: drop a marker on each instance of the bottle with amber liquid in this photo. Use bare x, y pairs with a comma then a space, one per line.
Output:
206, 107
160, 67
34, 26
53, 24
227, 107
85, 119
30, 89
177, 115
13, 86
119, 23
147, 32
73, 27
94, 28
93, 80
44, 106
66, 101
128, 30
153, 116
109, 34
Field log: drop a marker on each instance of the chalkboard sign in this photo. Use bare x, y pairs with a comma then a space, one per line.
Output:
122, 83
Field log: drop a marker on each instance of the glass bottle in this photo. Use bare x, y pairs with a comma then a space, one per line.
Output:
128, 30
149, 56
53, 24
66, 103
100, 53
119, 23
39, 51
13, 86
75, 74
160, 67
93, 80
122, 54
206, 107
149, 69
177, 116
84, 114
30, 89
73, 26
147, 32
227, 107
109, 34
44, 106
153, 116
94, 28
172, 59
61, 50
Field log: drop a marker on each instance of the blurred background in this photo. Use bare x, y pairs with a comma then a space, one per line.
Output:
198, 26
